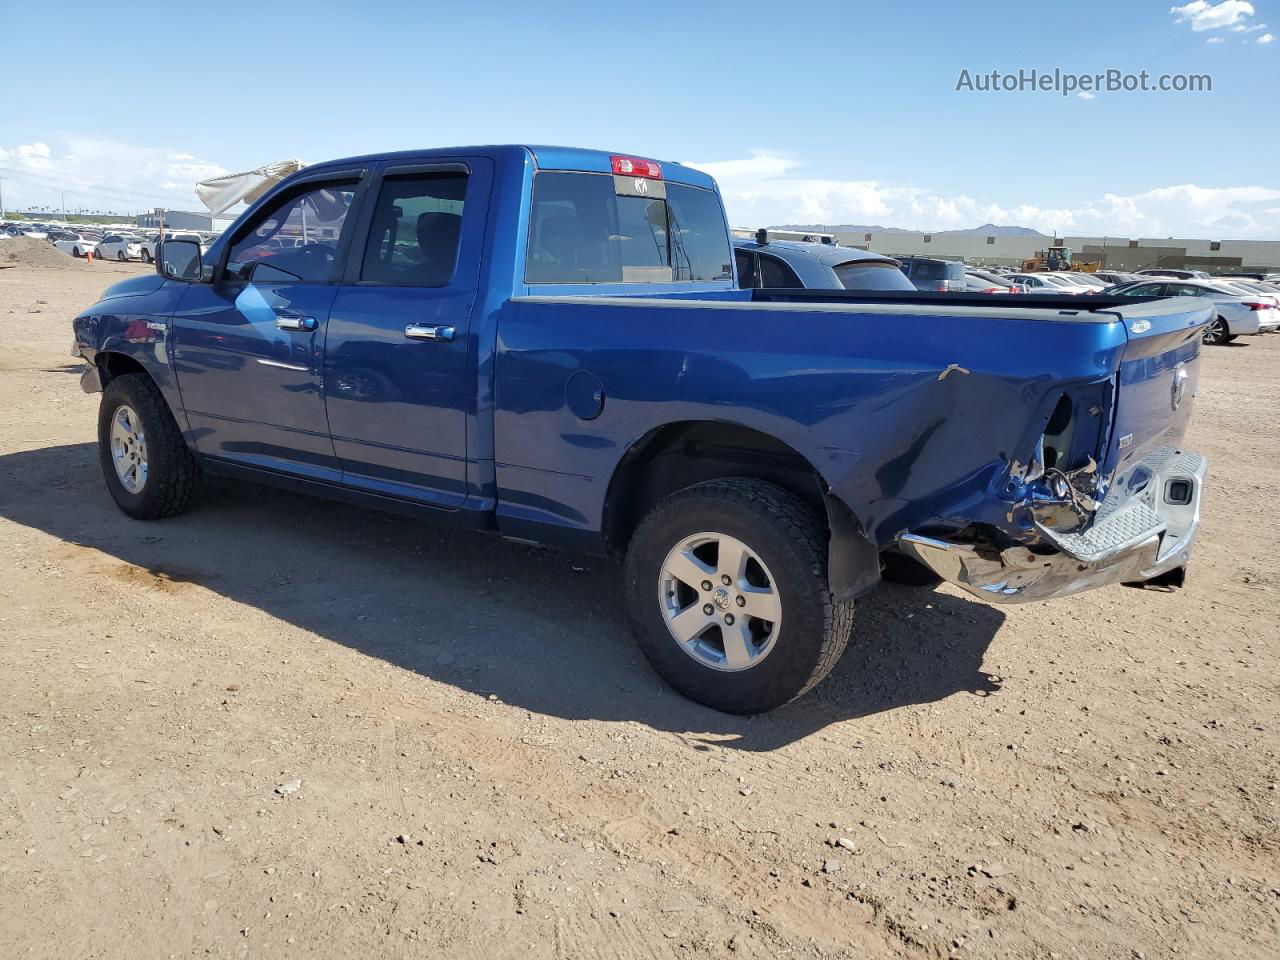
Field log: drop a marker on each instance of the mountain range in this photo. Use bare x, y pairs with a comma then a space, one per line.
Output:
986, 230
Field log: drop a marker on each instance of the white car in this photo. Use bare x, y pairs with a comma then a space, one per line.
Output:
76, 245
1239, 312
1080, 279
1047, 283
120, 246
149, 244
1251, 288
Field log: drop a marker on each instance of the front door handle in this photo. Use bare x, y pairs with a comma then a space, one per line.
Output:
296, 323
429, 331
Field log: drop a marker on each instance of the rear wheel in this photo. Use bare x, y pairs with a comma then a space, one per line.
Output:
149, 471
727, 590
1217, 332
120, 256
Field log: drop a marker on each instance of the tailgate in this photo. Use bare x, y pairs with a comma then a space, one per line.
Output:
1158, 375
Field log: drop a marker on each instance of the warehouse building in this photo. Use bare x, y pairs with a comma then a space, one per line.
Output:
1114, 253
183, 220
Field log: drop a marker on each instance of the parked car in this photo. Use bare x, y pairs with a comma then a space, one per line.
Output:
782, 264
1048, 283
1235, 313
76, 244
1176, 274
1112, 277
1251, 288
148, 243
978, 282
549, 344
933, 275
120, 246
1081, 279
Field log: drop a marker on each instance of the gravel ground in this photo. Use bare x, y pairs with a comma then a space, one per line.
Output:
279, 726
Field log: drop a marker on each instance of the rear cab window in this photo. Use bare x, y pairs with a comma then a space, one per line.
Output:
590, 228
937, 270
871, 275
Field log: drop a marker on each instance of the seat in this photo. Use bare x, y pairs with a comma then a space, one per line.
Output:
438, 234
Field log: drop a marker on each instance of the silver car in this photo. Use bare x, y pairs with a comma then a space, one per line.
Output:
1238, 313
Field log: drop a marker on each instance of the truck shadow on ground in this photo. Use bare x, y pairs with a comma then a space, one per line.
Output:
539, 629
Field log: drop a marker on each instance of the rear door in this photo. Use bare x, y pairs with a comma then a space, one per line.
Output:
397, 355
248, 347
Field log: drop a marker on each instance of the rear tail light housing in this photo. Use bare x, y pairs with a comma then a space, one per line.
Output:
1258, 306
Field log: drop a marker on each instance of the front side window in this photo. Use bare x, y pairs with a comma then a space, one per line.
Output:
583, 231
417, 223
296, 241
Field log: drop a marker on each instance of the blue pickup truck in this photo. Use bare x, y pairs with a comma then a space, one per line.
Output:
550, 344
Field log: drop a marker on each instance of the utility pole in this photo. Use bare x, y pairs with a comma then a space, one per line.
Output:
64, 206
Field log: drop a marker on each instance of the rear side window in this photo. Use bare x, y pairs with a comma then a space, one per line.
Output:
776, 275
311, 220
746, 262
863, 275
413, 239
584, 231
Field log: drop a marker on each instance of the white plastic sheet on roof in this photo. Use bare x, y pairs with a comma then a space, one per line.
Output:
220, 194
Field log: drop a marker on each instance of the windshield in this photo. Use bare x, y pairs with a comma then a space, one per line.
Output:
871, 275
584, 231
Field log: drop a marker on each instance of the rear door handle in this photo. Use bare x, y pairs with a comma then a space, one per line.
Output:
296, 323
429, 331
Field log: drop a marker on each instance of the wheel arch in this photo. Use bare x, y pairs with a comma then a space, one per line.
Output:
113, 363
676, 455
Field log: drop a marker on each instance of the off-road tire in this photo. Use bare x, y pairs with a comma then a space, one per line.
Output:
792, 543
173, 474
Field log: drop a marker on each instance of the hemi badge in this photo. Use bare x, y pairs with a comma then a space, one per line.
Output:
1126, 441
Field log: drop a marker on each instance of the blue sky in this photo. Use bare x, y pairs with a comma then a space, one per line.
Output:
815, 112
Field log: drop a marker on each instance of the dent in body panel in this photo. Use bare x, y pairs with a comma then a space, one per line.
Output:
132, 319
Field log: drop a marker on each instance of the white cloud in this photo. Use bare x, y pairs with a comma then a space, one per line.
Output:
767, 189
1212, 16
1086, 95
1266, 38
99, 174
1214, 40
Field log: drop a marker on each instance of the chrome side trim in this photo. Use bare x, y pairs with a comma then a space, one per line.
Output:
299, 367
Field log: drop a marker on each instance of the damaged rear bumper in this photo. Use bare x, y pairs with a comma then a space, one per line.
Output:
1143, 536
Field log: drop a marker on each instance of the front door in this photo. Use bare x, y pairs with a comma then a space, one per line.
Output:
249, 347
396, 378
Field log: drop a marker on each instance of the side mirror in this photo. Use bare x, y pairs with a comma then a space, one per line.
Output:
179, 260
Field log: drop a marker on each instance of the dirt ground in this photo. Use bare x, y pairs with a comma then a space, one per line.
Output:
486, 767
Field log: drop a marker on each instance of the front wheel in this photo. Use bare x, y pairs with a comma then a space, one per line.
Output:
120, 256
149, 471
726, 586
1217, 332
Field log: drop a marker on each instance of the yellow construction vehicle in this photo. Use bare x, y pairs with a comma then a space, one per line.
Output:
1058, 258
